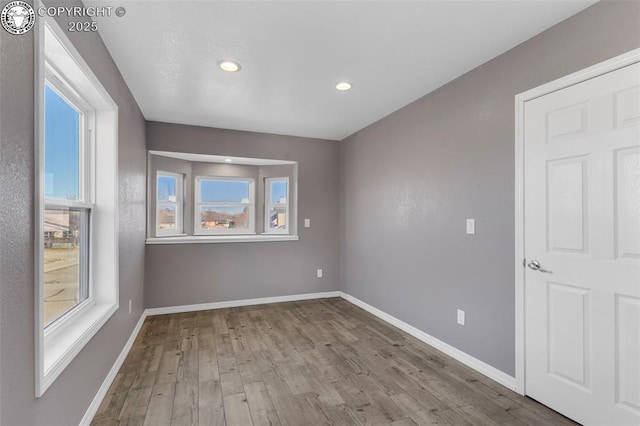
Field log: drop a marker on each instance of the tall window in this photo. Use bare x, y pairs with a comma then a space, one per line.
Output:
76, 201
276, 206
169, 203
68, 202
224, 206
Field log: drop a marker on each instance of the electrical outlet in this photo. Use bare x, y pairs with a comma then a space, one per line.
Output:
471, 226
129, 306
307, 223
460, 317
319, 273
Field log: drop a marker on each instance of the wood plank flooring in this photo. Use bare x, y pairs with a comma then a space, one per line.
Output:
300, 363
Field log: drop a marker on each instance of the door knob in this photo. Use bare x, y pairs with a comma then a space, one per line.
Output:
535, 265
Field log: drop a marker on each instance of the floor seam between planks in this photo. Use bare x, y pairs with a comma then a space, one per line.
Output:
323, 361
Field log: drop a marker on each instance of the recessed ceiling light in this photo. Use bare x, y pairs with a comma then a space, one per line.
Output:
228, 65
228, 160
343, 85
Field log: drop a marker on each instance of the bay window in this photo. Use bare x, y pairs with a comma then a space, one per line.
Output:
205, 198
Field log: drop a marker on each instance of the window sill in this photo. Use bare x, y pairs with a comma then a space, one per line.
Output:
210, 239
61, 348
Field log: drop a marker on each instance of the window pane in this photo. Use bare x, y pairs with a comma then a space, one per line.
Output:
62, 148
278, 192
66, 245
167, 217
224, 191
277, 216
224, 217
167, 188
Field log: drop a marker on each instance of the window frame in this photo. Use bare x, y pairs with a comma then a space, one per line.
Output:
179, 205
197, 204
268, 204
156, 160
59, 65
86, 160
85, 200
85, 290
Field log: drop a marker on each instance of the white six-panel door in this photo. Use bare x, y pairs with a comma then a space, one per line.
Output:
582, 247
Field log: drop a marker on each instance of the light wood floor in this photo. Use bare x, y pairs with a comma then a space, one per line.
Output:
300, 363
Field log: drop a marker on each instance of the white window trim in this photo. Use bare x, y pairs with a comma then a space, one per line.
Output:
67, 317
214, 239
58, 345
230, 231
179, 204
267, 204
188, 237
55, 80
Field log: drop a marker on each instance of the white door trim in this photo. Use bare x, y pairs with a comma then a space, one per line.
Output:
561, 83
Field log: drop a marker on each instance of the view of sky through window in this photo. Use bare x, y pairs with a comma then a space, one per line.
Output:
220, 191
64, 228
166, 188
278, 191
62, 148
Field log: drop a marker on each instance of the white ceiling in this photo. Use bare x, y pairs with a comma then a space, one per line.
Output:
293, 53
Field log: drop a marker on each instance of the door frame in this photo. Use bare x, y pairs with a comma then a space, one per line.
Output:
605, 67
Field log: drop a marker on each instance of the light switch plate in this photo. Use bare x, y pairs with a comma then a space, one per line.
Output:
460, 317
307, 223
319, 273
471, 226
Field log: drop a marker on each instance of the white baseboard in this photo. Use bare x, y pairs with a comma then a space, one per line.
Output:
237, 303
104, 388
491, 372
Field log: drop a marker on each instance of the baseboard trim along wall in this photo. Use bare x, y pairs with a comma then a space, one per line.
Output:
474, 363
104, 388
237, 303
481, 367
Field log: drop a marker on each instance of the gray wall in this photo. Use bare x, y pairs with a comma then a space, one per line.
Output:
409, 181
66, 401
201, 273
407, 184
